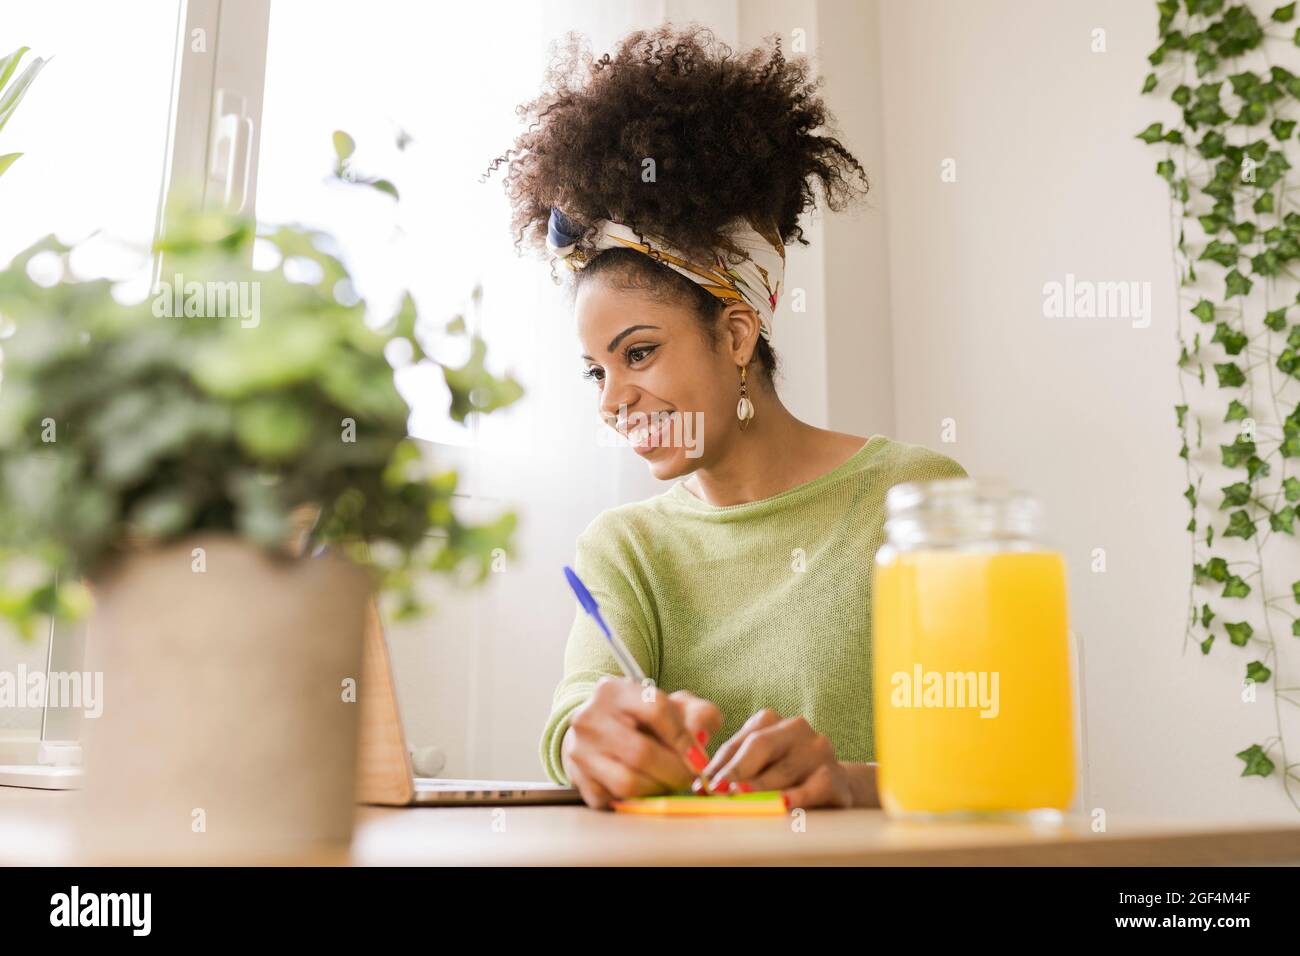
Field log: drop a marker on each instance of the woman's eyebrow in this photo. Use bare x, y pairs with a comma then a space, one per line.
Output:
621, 336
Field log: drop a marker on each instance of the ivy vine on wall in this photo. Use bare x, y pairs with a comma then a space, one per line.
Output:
1237, 221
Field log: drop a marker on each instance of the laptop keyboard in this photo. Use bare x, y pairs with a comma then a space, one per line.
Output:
437, 783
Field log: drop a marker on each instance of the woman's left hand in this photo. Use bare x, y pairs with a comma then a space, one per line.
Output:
774, 753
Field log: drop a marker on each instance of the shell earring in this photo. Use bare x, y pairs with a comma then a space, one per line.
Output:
744, 408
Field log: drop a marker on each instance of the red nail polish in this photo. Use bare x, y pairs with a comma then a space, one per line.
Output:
697, 758
786, 800
702, 736
744, 787
719, 785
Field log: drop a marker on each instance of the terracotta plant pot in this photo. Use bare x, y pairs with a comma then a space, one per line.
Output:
228, 731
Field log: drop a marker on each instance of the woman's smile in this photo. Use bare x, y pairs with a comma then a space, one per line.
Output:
645, 438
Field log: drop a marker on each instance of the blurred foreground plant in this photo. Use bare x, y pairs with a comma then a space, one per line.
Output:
229, 401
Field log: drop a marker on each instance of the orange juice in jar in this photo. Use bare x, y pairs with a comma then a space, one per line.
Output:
972, 697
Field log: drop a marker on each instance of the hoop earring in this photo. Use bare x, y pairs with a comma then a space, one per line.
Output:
744, 408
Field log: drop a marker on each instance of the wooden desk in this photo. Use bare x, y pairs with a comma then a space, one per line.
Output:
35, 829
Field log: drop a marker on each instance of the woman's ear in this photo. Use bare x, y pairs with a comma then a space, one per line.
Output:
740, 326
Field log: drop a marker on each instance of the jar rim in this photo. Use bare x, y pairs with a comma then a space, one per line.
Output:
960, 509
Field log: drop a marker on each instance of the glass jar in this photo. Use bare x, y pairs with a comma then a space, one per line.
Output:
972, 696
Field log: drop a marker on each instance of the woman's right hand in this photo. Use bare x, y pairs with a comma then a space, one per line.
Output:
634, 741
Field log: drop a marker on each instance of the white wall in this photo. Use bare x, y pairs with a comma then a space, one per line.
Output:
1050, 181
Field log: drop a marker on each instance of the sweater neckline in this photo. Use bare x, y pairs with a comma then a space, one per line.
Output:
681, 494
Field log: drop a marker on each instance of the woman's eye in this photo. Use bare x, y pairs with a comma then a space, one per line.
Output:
633, 354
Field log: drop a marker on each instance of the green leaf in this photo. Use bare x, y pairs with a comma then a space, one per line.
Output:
1257, 762
1239, 633
1243, 83
474, 389
1212, 144
1217, 569
1207, 644
1150, 83
1230, 376
1204, 309
344, 146
384, 186
405, 323
1291, 488
1152, 134
272, 428
1284, 14
1282, 129
1231, 340
1283, 520
1181, 410
1276, 320
1256, 466
1235, 587
1263, 204
11, 97
1240, 525
1206, 615
1225, 254
1237, 284
1257, 672
7, 160
1235, 495
10, 63
1236, 454
1266, 263
163, 514
1236, 411
1165, 169
1251, 114
1289, 362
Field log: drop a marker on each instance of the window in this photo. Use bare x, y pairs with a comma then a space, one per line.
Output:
92, 130
242, 97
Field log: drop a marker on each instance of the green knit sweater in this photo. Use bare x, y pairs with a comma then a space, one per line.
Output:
761, 604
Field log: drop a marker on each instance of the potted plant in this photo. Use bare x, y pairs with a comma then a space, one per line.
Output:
221, 475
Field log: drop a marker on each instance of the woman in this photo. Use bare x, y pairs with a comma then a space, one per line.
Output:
669, 178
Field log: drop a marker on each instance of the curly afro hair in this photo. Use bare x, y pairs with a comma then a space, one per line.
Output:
731, 136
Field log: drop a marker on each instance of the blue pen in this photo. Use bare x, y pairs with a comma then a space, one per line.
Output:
625, 660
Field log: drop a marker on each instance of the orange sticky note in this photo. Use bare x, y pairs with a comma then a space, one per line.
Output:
761, 803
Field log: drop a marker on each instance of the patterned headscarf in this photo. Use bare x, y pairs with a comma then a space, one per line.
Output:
758, 279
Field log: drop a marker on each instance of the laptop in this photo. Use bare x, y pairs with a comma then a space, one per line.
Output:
384, 772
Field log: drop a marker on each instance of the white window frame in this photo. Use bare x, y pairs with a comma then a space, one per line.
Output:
214, 138
215, 124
